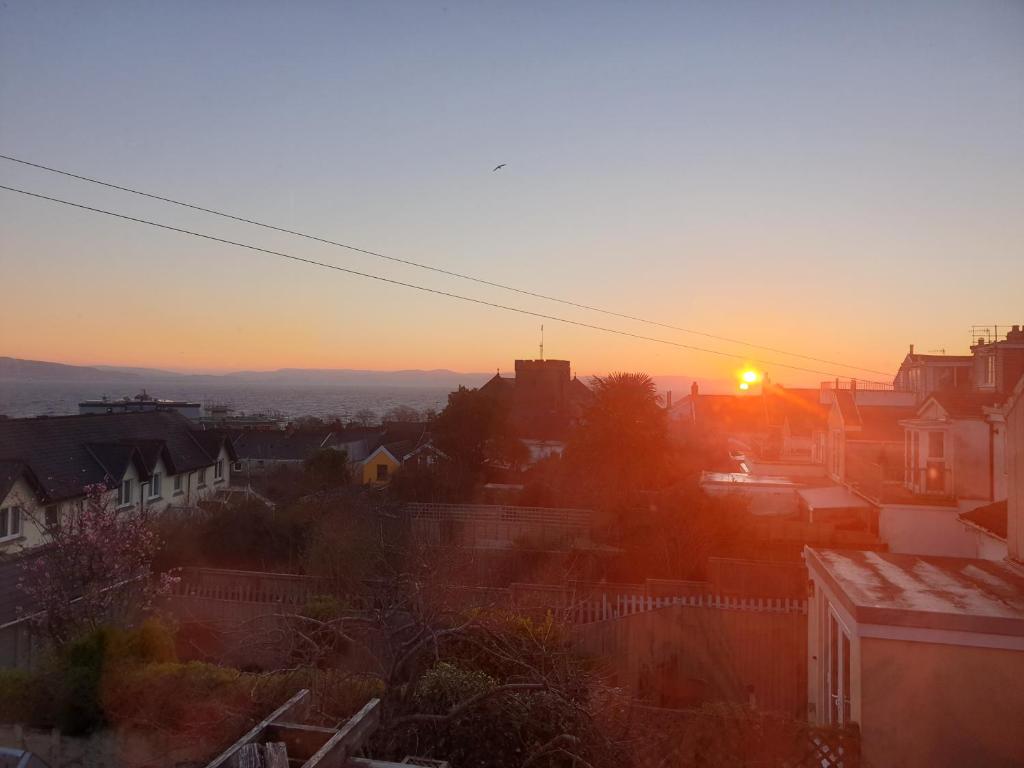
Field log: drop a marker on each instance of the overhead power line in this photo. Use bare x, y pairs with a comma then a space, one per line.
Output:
439, 270
414, 286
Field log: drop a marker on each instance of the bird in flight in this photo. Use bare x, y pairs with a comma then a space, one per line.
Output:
498, 167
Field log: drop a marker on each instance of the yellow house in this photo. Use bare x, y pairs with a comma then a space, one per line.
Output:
380, 465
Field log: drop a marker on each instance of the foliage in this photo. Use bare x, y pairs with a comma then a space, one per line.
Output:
20, 696
247, 535
621, 447
432, 483
402, 413
327, 468
97, 560
472, 429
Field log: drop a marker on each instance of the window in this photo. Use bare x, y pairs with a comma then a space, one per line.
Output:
124, 493
915, 379
237, 466
218, 470
177, 484
936, 445
154, 486
990, 370
382, 472
10, 522
51, 517
202, 477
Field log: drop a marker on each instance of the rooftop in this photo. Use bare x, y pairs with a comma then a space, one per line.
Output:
945, 593
66, 453
991, 518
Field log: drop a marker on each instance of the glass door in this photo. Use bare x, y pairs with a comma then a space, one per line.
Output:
838, 675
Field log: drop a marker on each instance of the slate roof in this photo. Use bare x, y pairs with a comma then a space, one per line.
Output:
966, 405
801, 407
730, 413
881, 423
991, 517
66, 453
10, 471
281, 446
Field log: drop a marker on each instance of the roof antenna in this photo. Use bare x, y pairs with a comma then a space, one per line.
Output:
542, 342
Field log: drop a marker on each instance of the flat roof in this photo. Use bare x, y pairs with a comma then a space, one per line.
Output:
831, 497
742, 478
949, 593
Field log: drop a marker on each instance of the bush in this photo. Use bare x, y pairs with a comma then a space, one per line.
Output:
19, 693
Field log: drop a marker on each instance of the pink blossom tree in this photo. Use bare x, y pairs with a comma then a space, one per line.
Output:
95, 562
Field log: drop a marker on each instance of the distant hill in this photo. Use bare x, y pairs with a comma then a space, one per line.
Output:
14, 369
343, 376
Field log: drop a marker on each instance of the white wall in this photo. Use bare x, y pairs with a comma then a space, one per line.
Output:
34, 513
920, 530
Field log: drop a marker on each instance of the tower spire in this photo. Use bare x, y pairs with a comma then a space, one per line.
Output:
542, 341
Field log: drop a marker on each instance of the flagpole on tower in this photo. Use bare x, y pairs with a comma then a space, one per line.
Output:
542, 342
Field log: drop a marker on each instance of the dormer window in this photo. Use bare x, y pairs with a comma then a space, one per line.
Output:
990, 371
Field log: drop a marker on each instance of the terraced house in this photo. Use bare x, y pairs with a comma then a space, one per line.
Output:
151, 460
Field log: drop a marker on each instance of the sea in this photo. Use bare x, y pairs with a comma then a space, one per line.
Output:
326, 401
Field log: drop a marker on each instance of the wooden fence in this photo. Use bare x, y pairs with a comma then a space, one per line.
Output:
582, 603
499, 525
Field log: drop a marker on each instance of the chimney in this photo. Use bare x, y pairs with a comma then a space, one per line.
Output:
911, 349
693, 389
853, 385
668, 399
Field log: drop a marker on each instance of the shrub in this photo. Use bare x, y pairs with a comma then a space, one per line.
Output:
19, 693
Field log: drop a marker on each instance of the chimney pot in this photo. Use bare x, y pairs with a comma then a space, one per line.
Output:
694, 389
911, 349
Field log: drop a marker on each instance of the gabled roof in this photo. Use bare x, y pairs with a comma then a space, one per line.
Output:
729, 413
801, 408
871, 423
991, 517
67, 453
280, 446
847, 406
116, 458
949, 359
881, 423
11, 472
390, 450
964, 405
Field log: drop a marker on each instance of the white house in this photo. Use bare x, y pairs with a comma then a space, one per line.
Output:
150, 460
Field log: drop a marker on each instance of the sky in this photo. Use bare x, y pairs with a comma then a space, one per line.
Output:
836, 180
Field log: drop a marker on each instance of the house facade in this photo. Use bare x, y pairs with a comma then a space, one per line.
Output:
150, 461
925, 654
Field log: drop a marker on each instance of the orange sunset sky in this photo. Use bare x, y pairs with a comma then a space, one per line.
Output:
837, 182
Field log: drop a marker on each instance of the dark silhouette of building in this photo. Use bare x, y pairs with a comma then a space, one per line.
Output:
545, 399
